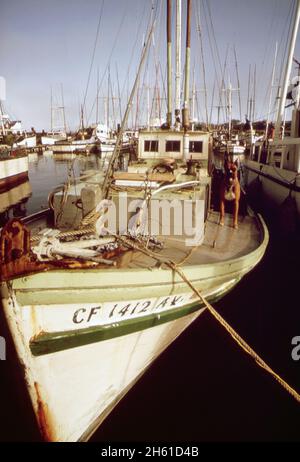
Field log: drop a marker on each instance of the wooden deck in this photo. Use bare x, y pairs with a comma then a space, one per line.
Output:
220, 243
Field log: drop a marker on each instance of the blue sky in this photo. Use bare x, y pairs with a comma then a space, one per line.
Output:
44, 43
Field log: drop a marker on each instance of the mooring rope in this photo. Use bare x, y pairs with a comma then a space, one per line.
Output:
238, 339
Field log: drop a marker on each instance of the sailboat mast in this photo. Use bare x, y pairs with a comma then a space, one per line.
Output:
238, 83
248, 112
1, 117
169, 64
287, 70
193, 96
186, 122
229, 103
97, 98
271, 91
51, 109
108, 80
63, 107
178, 60
254, 93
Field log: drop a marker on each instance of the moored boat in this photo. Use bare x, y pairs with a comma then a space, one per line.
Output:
273, 165
95, 288
13, 168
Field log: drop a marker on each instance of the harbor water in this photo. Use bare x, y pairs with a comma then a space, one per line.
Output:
203, 387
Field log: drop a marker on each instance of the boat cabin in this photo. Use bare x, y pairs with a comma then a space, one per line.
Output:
179, 145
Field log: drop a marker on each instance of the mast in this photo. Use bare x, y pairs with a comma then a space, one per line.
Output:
81, 118
212, 102
51, 108
185, 111
193, 96
1, 117
115, 154
97, 98
248, 113
229, 103
254, 93
271, 90
238, 83
287, 70
169, 64
119, 94
63, 107
108, 80
178, 60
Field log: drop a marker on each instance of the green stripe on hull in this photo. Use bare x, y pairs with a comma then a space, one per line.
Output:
46, 343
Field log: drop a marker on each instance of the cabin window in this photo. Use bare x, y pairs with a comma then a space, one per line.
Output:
151, 145
172, 146
196, 146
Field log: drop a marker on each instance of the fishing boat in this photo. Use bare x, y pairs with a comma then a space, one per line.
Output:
50, 138
273, 166
26, 142
96, 288
233, 148
13, 167
74, 146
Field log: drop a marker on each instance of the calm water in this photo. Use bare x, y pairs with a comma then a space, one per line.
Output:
203, 388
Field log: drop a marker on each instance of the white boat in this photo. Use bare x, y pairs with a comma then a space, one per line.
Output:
92, 301
13, 169
273, 166
89, 330
74, 146
28, 142
233, 148
51, 138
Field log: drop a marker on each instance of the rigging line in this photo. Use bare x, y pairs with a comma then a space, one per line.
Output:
223, 87
114, 157
211, 47
93, 55
280, 45
290, 18
126, 79
212, 102
109, 59
213, 33
119, 94
238, 82
268, 45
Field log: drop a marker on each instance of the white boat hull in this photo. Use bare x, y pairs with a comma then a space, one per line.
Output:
73, 390
74, 147
84, 338
29, 142
51, 140
13, 170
